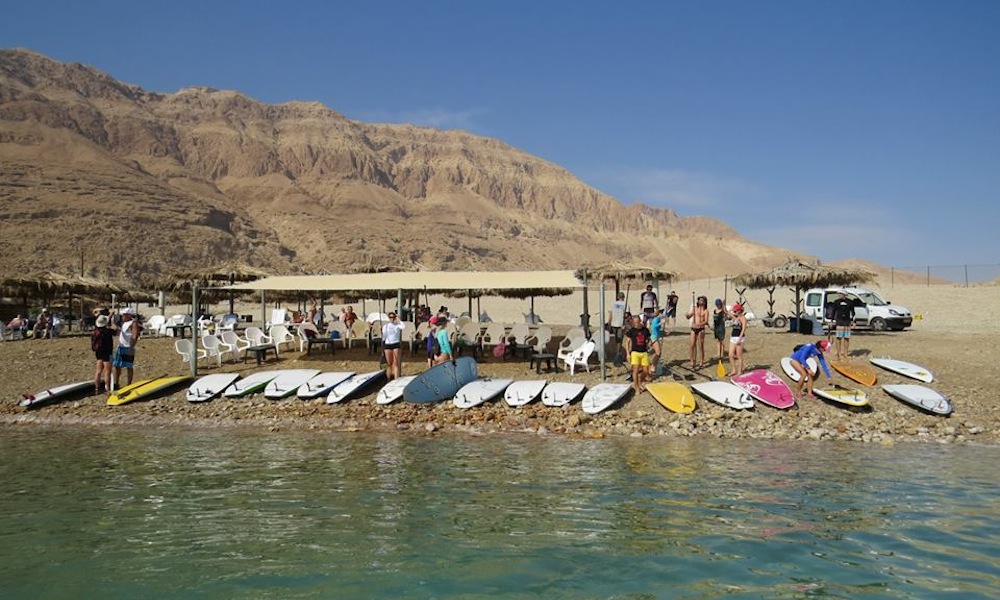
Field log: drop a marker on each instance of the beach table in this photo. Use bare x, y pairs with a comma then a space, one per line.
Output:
260, 352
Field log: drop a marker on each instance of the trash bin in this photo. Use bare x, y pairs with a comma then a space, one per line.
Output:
805, 325
793, 324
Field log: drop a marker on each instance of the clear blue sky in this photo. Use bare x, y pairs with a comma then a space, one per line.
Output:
848, 129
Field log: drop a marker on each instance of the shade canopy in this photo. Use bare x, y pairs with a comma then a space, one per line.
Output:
624, 271
438, 282
800, 275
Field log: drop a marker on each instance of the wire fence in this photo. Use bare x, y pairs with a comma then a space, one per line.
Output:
935, 274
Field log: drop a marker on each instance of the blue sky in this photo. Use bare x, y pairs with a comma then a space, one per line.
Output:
848, 129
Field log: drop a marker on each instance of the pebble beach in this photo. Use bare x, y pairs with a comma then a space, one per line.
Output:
946, 339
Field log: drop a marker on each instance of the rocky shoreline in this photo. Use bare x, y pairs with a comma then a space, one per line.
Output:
886, 421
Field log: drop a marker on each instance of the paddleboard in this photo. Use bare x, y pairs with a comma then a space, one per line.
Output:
442, 381
786, 366
476, 392
560, 393
862, 374
354, 385
251, 384
842, 395
321, 384
724, 393
393, 390
921, 397
288, 382
54, 394
766, 387
673, 396
904, 368
210, 386
520, 393
603, 395
144, 389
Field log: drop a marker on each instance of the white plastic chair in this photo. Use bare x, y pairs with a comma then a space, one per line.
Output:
227, 323
341, 330
494, 335
231, 339
303, 337
156, 325
256, 336
569, 346
183, 347
541, 339
214, 347
580, 357
279, 335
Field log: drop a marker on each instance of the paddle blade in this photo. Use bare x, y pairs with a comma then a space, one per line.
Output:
720, 371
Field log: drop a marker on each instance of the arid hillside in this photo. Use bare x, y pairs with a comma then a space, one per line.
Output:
133, 185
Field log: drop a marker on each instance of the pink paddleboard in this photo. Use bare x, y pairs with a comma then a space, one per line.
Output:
766, 387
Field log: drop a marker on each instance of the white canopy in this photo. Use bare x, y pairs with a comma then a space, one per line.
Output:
430, 281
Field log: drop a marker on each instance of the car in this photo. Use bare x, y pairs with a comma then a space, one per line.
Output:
871, 311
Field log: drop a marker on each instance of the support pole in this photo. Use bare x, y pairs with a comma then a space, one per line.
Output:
194, 329
602, 346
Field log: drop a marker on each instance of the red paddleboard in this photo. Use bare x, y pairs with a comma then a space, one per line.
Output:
766, 387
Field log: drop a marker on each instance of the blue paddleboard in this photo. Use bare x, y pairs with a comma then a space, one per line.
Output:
441, 382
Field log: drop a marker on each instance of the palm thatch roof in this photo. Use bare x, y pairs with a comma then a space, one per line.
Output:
50, 284
623, 271
224, 274
800, 275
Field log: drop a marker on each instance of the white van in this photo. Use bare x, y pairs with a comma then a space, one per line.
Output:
870, 311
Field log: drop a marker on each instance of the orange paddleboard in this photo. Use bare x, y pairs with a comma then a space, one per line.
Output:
862, 374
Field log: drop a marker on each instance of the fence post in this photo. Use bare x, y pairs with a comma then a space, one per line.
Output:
928, 276
966, 275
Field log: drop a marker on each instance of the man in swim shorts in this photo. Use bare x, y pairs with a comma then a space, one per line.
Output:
843, 318
637, 346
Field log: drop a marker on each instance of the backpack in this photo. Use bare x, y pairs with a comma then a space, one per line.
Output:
433, 347
500, 350
95, 340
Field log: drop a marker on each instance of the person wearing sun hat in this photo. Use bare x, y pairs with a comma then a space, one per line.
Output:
102, 342
800, 356
128, 338
737, 338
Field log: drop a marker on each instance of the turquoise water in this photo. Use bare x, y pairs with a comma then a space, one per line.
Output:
97, 513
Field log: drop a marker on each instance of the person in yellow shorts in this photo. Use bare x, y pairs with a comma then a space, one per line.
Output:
637, 343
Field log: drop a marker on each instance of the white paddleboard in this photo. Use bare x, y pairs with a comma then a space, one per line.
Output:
321, 384
393, 390
348, 387
904, 368
520, 393
210, 386
786, 366
724, 393
603, 395
288, 382
559, 393
55, 393
842, 395
476, 392
922, 397
251, 384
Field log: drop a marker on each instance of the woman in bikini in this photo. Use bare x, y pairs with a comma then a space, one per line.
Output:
699, 321
737, 337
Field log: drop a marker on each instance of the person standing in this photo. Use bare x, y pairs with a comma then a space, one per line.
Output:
444, 344
736, 340
799, 358
102, 342
719, 316
655, 333
699, 321
128, 339
843, 318
637, 346
671, 312
616, 318
648, 303
392, 341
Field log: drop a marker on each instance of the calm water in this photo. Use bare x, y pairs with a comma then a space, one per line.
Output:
208, 514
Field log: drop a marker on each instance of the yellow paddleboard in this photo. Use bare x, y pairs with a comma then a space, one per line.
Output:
843, 395
673, 396
142, 389
862, 374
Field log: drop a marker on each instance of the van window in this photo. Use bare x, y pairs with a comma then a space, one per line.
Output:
813, 300
872, 299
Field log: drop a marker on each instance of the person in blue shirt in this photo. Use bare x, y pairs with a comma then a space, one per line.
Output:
800, 355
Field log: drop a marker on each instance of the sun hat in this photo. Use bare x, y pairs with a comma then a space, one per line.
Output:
127, 311
102, 321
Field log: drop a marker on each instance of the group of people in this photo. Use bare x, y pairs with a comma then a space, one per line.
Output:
111, 358
45, 325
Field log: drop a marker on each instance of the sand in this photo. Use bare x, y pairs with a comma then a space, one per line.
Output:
952, 337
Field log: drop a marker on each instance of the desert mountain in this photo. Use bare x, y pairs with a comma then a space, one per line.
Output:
127, 184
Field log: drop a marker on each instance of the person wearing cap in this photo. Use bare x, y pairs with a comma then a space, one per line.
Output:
800, 357
432, 343
392, 341
736, 339
128, 338
843, 318
102, 342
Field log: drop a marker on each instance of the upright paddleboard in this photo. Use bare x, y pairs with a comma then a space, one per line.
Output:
288, 382
766, 387
520, 393
145, 389
57, 393
724, 393
904, 368
786, 366
603, 395
476, 392
862, 374
442, 381
559, 393
321, 384
842, 395
210, 386
354, 385
921, 397
251, 384
393, 390
673, 396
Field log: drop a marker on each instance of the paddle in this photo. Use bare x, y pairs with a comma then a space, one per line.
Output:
720, 371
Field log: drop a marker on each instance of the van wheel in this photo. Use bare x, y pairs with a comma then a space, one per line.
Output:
780, 321
877, 324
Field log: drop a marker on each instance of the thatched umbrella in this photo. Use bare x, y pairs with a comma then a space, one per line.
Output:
800, 276
622, 271
520, 293
218, 275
